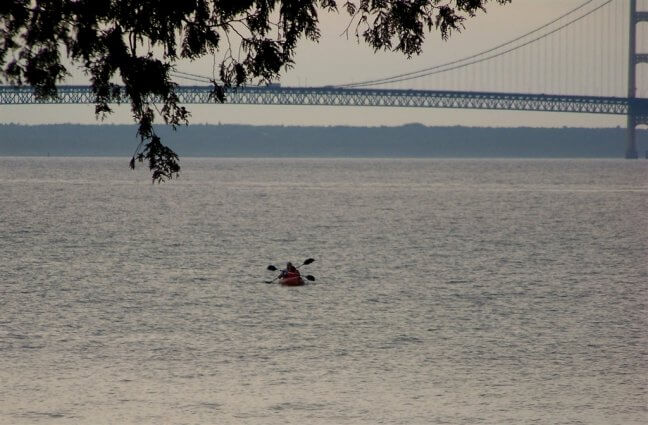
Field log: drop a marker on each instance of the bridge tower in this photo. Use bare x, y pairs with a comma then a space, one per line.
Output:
636, 114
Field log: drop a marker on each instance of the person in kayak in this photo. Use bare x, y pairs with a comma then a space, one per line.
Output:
289, 271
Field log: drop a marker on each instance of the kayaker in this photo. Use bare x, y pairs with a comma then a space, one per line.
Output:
290, 270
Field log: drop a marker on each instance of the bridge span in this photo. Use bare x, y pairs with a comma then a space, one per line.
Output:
359, 97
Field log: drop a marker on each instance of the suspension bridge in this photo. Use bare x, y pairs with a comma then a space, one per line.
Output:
587, 60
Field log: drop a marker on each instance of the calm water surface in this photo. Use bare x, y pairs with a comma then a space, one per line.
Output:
447, 292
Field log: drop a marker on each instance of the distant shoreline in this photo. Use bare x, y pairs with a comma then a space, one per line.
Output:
247, 141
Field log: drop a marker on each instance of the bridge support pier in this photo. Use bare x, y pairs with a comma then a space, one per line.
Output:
635, 116
631, 145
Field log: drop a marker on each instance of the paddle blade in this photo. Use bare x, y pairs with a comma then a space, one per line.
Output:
272, 268
310, 277
308, 261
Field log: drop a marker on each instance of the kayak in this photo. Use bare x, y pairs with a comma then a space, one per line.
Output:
291, 279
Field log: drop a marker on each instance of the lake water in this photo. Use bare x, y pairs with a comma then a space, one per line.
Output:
446, 292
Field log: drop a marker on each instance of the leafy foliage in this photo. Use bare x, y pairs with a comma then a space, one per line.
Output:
129, 48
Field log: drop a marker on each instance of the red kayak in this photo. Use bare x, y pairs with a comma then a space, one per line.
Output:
291, 279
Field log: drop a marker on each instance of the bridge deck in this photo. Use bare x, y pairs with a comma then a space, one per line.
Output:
333, 96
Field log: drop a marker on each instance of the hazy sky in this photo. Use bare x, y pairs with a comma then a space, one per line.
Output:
336, 59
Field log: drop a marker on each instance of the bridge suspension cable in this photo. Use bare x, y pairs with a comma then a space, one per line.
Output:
191, 77
483, 56
424, 71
